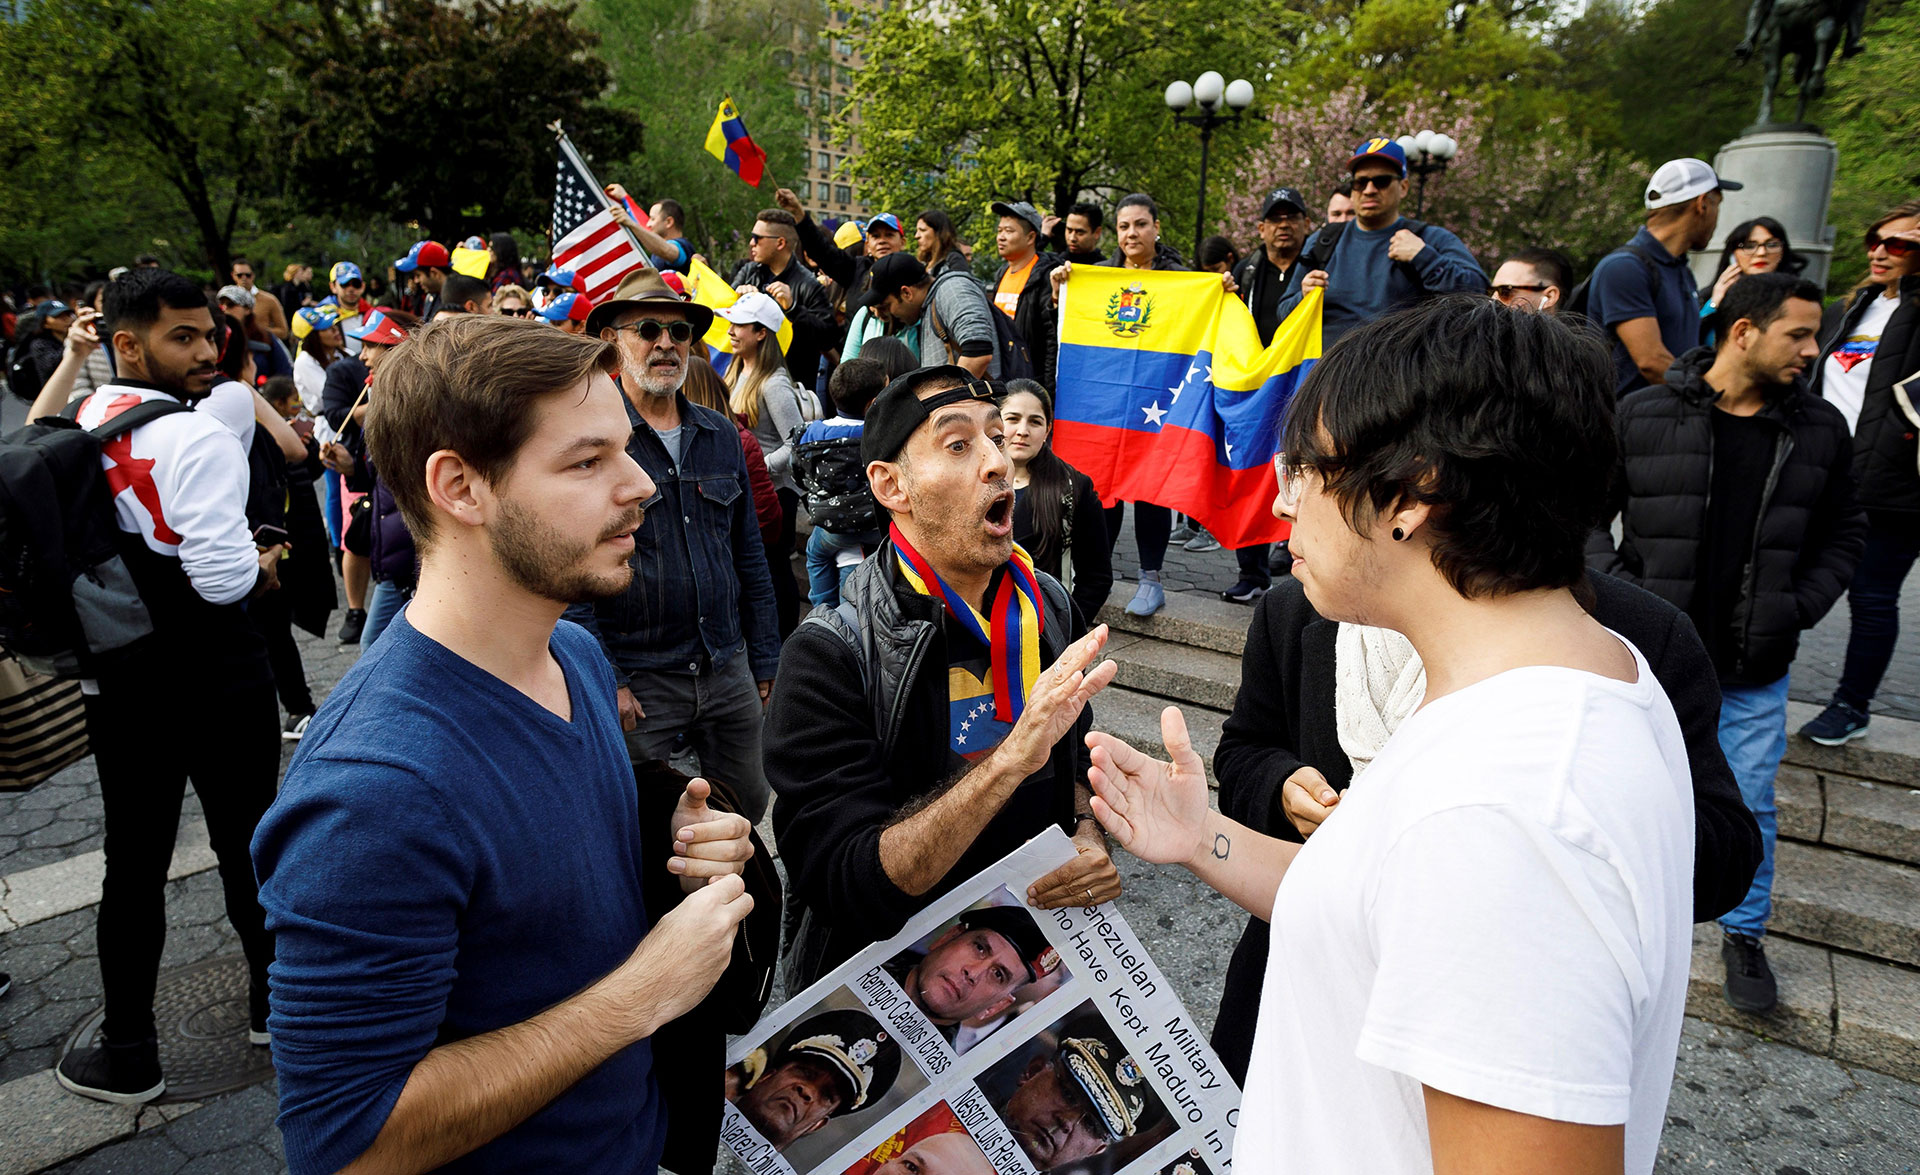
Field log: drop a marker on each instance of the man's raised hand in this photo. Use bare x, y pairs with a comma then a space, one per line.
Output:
1156, 810
1055, 703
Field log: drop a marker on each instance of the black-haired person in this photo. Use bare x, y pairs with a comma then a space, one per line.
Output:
1736, 504
461, 294
1535, 280
1019, 288
1057, 515
1218, 255
1522, 842
936, 244
1077, 235
503, 261
774, 268
1340, 203
1870, 345
1759, 245
897, 776
180, 502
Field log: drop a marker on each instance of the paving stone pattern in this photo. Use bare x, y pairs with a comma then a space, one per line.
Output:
1740, 1103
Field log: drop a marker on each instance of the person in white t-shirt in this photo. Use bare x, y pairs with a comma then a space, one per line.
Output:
1481, 955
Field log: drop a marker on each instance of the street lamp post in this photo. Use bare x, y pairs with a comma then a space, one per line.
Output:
1209, 90
1427, 154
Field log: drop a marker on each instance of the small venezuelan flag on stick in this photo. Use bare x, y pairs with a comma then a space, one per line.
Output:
729, 142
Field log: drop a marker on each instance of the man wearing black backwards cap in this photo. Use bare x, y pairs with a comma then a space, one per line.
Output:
966, 736
973, 970
832, 1064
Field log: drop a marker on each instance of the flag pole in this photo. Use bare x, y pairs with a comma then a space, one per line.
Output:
567, 148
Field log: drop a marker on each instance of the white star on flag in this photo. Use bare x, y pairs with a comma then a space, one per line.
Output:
1154, 414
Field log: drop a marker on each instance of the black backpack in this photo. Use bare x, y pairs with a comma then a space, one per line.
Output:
1329, 236
833, 483
68, 604
1016, 361
23, 374
1577, 300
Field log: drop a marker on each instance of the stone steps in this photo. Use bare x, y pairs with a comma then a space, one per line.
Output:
1847, 901
1190, 618
1857, 1011
1875, 819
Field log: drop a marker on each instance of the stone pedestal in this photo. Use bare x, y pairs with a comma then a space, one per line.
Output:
1788, 173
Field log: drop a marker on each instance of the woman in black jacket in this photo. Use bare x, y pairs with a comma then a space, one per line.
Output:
1056, 512
1869, 343
1285, 729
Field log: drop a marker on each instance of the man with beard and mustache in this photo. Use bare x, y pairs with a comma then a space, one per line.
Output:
180, 497
965, 734
693, 639
466, 976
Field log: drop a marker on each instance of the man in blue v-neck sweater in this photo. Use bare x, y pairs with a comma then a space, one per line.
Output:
466, 977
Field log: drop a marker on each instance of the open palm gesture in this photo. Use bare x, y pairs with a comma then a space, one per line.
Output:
1157, 811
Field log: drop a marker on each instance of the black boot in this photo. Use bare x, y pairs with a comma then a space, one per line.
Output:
125, 1074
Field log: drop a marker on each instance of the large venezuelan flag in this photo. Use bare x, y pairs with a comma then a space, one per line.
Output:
1165, 395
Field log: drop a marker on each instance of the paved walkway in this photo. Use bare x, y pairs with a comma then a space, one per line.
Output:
1740, 1104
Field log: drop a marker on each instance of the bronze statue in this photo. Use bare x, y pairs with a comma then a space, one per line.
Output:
1808, 29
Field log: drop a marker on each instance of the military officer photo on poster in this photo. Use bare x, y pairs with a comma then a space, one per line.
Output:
985, 1035
810, 1090
974, 974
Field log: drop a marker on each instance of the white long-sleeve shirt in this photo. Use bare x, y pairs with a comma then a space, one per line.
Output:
180, 483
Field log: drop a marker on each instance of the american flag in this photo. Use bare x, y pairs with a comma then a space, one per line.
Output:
586, 239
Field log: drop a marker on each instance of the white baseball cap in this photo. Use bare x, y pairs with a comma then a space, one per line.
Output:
756, 308
1680, 180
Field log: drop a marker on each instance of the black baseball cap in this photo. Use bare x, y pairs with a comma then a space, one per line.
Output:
890, 275
898, 410
1282, 198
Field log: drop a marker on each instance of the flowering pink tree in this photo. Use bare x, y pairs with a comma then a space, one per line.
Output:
1541, 188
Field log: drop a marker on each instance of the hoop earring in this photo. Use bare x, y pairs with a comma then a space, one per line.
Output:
1399, 535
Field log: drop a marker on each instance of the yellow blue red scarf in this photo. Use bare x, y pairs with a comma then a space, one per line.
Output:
1012, 636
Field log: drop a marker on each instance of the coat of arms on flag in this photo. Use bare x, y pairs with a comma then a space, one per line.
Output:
1128, 310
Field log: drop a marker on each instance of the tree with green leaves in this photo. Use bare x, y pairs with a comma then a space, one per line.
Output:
137, 107
1872, 113
671, 63
436, 114
974, 101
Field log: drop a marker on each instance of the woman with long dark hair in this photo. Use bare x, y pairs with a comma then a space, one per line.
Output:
1056, 512
1759, 245
936, 244
1869, 344
893, 354
505, 269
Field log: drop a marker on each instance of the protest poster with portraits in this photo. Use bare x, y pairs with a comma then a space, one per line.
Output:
986, 1038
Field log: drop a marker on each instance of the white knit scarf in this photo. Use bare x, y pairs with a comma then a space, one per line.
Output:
1378, 681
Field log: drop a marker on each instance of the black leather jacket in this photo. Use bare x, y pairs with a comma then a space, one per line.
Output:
857, 731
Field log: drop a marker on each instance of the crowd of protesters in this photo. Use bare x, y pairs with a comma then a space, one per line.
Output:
1553, 546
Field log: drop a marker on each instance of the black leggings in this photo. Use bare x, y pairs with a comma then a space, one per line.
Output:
273, 619
1152, 527
149, 737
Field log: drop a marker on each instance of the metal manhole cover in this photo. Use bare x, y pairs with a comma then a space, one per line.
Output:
201, 1014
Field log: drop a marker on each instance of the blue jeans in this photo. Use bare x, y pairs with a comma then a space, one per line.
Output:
1753, 733
823, 576
382, 606
1873, 600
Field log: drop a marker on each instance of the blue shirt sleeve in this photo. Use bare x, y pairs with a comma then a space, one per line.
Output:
1620, 291
682, 256
361, 973
1446, 265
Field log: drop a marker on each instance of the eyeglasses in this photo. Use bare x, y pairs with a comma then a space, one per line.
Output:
516, 311
241, 275
1382, 182
1770, 245
649, 329
1505, 293
1287, 478
1895, 246
352, 285
756, 238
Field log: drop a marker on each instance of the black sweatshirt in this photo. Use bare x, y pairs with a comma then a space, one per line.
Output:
1092, 555
1284, 720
